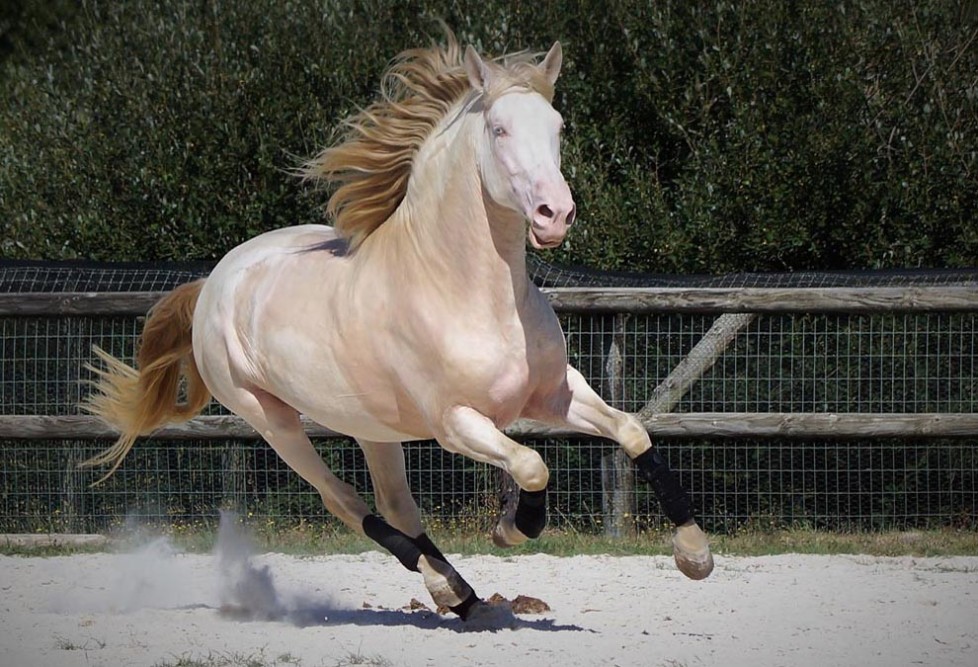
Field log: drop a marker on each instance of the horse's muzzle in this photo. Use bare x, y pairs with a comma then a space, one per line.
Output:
549, 224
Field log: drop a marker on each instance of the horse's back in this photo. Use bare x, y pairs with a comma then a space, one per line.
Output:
270, 253
280, 244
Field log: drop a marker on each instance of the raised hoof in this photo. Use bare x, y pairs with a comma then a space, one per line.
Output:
506, 534
691, 549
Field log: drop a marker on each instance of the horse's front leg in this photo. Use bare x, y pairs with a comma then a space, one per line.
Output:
467, 431
576, 405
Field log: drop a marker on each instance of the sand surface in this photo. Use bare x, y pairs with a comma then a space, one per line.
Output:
155, 606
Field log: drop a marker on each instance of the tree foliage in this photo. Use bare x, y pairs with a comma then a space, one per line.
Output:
701, 136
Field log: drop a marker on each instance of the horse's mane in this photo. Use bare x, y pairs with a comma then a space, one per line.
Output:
372, 161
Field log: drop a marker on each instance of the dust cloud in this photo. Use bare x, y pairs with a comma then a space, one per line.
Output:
153, 573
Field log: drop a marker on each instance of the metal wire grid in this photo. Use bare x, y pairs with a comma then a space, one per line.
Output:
811, 363
848, 485
187, 482
43, 358
26, 276
891, 363
34, 278
548, 275
839, 485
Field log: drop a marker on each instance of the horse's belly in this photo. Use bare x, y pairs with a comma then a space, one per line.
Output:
317, 377
356, 423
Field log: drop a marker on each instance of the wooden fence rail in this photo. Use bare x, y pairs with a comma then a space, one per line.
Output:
944, 298
666, 425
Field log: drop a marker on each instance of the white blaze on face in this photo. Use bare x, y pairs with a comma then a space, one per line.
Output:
521, 154
524, 145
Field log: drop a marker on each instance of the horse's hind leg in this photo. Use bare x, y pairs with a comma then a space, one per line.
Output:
402, 533
278, 423
385, 460
576, 405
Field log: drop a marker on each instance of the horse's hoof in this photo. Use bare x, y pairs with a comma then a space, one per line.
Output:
506, 534
446, 587
691, 549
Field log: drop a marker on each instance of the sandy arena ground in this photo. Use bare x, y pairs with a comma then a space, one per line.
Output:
157, 607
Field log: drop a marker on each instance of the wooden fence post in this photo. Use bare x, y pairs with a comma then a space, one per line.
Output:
695, 364
72, 484
617, 473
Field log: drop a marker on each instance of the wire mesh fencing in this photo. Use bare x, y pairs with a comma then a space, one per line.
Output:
880, 363
891, 363
837, 485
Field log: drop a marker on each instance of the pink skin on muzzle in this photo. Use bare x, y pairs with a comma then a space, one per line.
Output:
553, 214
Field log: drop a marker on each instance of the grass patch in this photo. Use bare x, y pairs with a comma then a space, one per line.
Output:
51, 543
304, 541
572, 543
360, 660
232, 659
902, 543
90, 644
52, 550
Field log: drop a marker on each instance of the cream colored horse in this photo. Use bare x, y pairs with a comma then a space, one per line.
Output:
413, 318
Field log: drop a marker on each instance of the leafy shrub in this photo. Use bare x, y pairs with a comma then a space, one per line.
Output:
701, 137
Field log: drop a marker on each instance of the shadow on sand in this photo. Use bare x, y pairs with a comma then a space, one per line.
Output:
324, 615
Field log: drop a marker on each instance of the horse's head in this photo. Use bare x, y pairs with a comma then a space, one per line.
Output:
520, 154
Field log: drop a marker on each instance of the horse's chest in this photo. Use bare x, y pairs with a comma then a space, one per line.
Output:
501, 370
501, 391
509, 384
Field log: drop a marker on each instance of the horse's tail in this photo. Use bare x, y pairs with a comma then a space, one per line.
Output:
137, 402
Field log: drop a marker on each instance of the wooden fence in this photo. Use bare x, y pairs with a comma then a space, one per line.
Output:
734, 309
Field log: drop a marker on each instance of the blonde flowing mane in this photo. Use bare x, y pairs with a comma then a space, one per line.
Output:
373, 160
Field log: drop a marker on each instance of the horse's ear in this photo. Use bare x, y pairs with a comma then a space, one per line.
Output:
551, 63
477, 69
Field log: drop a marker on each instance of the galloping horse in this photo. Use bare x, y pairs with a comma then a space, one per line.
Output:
412, 318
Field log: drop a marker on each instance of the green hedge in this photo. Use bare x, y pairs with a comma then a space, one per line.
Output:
702, 136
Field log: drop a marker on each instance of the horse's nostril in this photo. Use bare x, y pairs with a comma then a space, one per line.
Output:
545, 211
571, 216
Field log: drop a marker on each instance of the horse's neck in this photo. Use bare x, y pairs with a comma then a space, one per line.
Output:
449, 233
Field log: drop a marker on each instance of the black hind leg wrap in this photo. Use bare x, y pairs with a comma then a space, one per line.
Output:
654, 469
406, 549
403, 547
409, 550
428, 547
531, 513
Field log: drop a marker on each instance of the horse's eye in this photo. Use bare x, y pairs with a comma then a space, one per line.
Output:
498, 131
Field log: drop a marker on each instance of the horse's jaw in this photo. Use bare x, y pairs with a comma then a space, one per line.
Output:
508, 229
543, 241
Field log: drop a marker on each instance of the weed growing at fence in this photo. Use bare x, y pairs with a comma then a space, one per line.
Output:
947, 542
232, 659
